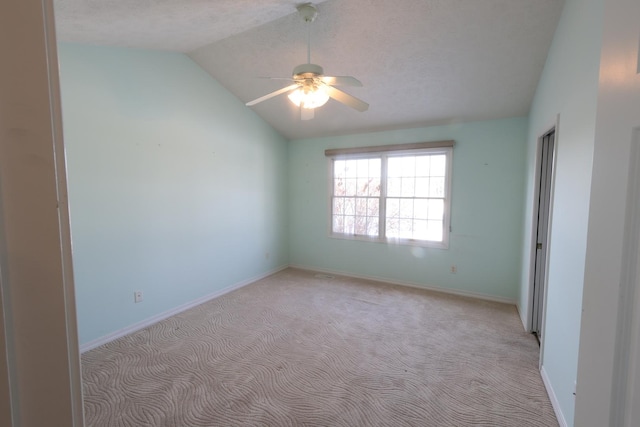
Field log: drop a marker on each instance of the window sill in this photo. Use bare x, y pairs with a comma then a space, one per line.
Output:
392, 241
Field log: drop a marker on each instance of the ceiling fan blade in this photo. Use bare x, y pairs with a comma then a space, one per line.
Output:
347, 99
306, 113
272, 94
341, 81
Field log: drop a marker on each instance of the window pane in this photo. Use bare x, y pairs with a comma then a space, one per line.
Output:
423, 165
394, 167
375, 168
338, 187
436, 187
372, 226
393, 208
421, 209
363, 167
350, 187
408, 187
350, 167
434, 231
436, 209
361, 207
408, 165
392, 225
406, 228
406, 208
373, 207
438, 165
338, 169
338, 206
348, 224
349, 206
394, 187
363, 186
422, 187
374, 187
360, 225
420, 230
338, 224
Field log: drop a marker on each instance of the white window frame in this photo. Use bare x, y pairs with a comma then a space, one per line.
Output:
383, 153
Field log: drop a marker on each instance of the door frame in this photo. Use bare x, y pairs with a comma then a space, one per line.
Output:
40, 375
626, 372
542, 227
555, 127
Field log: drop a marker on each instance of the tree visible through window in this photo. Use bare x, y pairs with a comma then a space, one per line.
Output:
392, 196
356, 201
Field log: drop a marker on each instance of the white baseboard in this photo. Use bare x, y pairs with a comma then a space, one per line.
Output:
553, 398
523, 319
408, 284
157, 318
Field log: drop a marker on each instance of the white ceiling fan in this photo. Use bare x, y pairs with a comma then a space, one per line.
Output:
311, 88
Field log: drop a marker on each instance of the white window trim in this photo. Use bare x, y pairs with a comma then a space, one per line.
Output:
439, 147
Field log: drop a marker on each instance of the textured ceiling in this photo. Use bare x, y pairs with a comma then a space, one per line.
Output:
422, 62
179, 25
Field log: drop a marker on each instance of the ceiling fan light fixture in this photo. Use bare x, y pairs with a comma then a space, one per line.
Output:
309, 98
311, 88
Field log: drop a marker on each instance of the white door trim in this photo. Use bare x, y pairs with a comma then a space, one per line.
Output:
627, 356
73, 345
41, 369
534, 219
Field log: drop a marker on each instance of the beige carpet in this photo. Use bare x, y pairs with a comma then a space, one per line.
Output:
299, 350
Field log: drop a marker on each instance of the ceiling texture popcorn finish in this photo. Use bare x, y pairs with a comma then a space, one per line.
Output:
181, 26
422, 62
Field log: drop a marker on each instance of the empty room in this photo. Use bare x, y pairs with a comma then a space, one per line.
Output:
340, 213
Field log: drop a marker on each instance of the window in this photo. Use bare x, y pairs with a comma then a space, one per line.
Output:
394, 193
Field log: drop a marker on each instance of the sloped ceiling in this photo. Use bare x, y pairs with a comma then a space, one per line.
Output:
422, 62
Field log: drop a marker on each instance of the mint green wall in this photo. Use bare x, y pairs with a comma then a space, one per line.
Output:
176, 188
568, 87
487, 201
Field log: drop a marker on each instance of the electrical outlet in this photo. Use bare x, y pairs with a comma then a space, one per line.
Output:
137, 296
454, 269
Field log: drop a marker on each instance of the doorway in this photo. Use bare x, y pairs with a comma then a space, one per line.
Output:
543, 194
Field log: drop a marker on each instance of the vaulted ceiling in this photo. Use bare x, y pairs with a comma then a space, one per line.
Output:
422, 62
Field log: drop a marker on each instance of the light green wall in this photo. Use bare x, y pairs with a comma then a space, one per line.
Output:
568, 87
176, 188
487, 201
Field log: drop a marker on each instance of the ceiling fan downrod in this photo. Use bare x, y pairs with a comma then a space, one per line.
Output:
309, 13
311, 88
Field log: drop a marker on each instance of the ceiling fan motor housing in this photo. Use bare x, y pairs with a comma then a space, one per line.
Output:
311, 88
308, 12
307, 71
